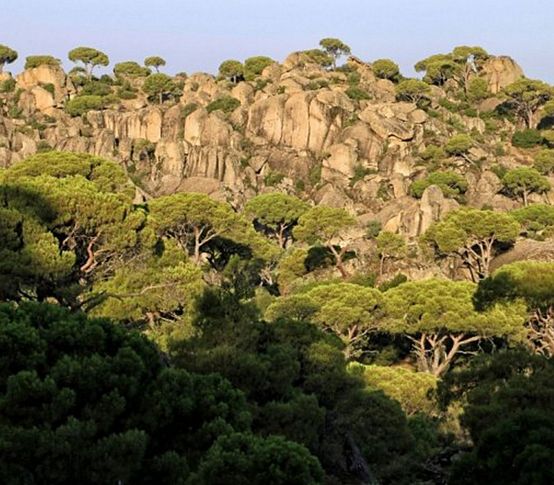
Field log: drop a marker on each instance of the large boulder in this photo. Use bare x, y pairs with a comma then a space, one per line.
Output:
500, 72
44, 75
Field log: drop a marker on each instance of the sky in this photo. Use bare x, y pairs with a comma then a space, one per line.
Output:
198, 35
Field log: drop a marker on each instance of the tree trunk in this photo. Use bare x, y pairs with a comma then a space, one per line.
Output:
339, 255
432, 353
525, 197
197, 245
541, 331
281, 236
381, 265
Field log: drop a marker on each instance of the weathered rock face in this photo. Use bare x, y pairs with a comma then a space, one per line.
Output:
500, 72
303, 121
295, 129
45, 75
412, 217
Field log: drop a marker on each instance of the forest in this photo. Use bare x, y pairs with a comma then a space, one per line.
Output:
167, 334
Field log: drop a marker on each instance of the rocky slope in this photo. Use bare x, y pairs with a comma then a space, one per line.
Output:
296, 130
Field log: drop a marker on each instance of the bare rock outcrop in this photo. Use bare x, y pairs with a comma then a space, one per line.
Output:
500, 72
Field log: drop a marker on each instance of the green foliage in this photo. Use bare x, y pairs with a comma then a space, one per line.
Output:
245, 458
451, 184
43, 146
472, 235
319, 57
438, 69
411, 389
533, 283
525, 97
350, 311
95, 88
155, 61
290, 268
373, 228
227, 104
432, 155
7, 86
439, 314
522, 181
397, 280
83, 104
198, 223
98, 405
507, 401
158, 290
36, 61
7, 56
536, 219
360, 173
357, 94
478, 90
527, 138
317, 84
544, 162
74, 213
385, 69
130, 69
254, 66
90, 58
335, 48
276, 214
160, 87
459, 65
231, 69
548, 138
412, 90
390, 246
273, 178
459, 145
321, 224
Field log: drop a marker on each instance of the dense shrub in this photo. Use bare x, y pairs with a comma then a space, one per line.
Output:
527, 138
357, 94
36, 61
227, 104
451, 184
82, 104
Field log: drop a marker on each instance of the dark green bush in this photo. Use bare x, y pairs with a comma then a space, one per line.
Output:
96, 88
227, 104
82, 104
527, 138
451, 184
7, 86
36, 61
357, 94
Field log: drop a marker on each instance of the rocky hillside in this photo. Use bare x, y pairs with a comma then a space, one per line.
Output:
344, 137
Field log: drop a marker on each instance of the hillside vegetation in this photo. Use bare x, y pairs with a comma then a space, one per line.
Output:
308, 272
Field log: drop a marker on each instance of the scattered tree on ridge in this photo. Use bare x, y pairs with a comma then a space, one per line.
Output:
523, 181
533, 282
335, 48
472, 234
438, 317
7, 56
90, 58
154, 61
326, 226
276, 213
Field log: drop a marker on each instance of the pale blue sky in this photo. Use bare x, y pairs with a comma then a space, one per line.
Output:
197, 35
